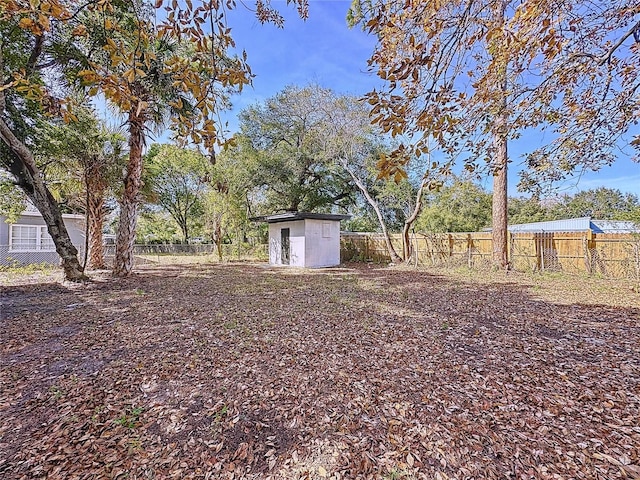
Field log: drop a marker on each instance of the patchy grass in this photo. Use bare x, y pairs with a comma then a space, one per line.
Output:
245, 371
32, 273
555, 287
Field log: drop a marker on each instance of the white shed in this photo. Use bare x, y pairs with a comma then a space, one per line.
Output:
302, 239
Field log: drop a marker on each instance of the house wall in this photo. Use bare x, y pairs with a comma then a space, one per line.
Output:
322, 243
75, 228
296, 239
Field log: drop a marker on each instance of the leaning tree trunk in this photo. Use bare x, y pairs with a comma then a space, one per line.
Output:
500, 160
95, 221
123, 263
374, 204
406, 244
24, 168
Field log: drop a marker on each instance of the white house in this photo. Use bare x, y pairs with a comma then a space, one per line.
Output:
302, 239
27, 240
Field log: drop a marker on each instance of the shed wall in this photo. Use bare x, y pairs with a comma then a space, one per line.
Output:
322, 243
296, 239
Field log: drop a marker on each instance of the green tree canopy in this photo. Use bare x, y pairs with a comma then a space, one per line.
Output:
178, 180
600, 203
460, 206
282, 145
527, 210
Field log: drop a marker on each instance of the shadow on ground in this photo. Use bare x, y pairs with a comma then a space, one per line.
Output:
243, 371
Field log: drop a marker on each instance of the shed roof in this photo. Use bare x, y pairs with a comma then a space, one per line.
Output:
292, 216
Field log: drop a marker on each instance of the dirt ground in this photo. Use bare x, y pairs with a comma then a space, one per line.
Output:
245, 371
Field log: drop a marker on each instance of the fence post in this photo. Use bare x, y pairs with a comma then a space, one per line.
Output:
509, 248
588, 258
450, 237
469, 247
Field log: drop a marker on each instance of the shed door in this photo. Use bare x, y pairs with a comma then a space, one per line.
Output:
285, 246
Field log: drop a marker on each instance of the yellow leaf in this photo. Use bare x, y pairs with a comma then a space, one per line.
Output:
80, 31
8, 85
322, 472
129, 75
25, 23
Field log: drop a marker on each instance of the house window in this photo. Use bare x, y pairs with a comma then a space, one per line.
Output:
30, 238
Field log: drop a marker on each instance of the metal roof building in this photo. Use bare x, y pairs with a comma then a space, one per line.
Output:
581, 224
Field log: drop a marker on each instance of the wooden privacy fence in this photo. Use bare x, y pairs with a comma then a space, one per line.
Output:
608, 254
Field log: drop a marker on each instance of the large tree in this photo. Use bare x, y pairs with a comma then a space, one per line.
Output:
229, 202
282, 143
157, 76
86, 156
115, 48
473, 74
36, 41
352, 143
307, 147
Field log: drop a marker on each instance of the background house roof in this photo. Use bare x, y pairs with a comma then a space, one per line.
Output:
31, 211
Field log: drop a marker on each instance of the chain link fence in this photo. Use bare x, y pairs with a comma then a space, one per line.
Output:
145, 254
14, 259
192, 253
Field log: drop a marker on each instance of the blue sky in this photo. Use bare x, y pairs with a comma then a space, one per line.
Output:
325, 51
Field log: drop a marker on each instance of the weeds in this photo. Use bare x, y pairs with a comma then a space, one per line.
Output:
56, 392
130, 418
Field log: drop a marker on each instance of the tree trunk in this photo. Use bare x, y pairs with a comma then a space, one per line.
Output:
406, 244
500, 160
95, 221
123, 263
185, 231
387, 239
218, 234
499, 206
29, 179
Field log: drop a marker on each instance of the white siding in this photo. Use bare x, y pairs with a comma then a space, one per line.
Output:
314, 243
296, 239
323, 243
75, 228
